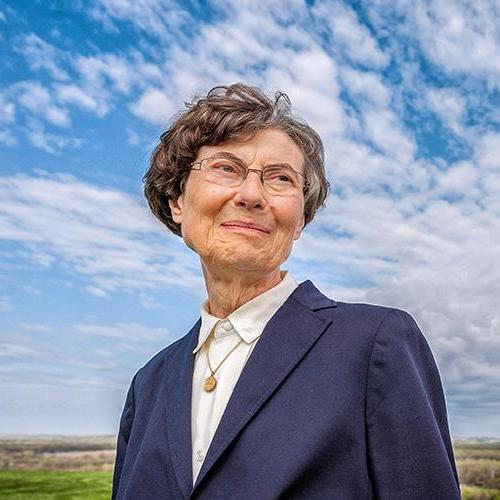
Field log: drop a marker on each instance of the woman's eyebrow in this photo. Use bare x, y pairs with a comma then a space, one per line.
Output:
227, 155
231, 156
278, 164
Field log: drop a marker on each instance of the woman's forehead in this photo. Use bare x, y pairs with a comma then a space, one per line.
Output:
265, 146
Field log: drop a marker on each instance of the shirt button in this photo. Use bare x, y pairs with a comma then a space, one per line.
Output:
227, 326
199, 455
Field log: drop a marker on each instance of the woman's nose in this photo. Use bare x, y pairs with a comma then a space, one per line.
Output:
251, 192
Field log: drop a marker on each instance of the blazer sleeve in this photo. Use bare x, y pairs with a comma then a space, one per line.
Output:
409, 445
126, 420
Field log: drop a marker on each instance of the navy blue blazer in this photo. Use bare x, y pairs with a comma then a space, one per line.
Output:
337, 401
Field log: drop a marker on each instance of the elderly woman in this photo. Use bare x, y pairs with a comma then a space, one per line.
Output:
277, 392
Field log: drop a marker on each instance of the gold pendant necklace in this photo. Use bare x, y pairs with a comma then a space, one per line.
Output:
211, 382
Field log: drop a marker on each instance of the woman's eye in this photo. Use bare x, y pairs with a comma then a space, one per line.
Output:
226, 167
284, 178
277, 175
281, 178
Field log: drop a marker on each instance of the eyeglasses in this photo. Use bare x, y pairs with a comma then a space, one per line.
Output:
226, 169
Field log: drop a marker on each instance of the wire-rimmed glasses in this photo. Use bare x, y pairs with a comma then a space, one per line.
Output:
227, 169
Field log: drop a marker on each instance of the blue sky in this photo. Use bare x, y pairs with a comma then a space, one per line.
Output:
406, 97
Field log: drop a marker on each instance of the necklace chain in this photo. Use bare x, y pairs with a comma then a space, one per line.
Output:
210, 382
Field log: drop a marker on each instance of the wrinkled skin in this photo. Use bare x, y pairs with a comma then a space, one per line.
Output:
242, 258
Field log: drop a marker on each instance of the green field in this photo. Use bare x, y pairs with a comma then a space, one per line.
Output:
477, 493
478, 465
77, 468
54, 485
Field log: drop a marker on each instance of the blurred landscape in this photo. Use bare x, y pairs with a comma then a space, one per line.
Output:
81, 453
478, 463
56, 467
60, 467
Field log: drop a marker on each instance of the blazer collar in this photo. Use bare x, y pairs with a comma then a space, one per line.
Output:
291, 331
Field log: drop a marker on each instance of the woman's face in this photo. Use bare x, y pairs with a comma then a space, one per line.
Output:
209, 213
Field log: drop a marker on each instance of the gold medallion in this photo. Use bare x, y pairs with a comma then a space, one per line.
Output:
210, 383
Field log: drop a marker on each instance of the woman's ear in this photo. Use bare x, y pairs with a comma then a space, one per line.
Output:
176, 207
298, 229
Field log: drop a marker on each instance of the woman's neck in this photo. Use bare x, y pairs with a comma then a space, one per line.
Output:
227, 292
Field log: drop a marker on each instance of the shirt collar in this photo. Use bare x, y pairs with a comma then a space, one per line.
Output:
250, 318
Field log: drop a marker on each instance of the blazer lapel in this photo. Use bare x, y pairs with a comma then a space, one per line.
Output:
178, 388
286, 339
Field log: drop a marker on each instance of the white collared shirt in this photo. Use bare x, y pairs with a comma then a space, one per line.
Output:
245, 324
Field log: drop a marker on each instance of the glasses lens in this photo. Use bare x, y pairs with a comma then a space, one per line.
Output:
281, 179
277, 179
224, 171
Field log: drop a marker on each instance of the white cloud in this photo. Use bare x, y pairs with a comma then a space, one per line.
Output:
383, 128
7, 110
312, 85
49, 142
34, 327
101, 70
7, 138
7, 116
151, 16
42, 55
349, 36
154, 106
38, 99
487, 151
461, 37
366, 86
234, 49
487, 155
15, 351
450, 105
5, 305
76, 95
460, 180
92, 83
103, 234
133, 137
130, 331
95, 291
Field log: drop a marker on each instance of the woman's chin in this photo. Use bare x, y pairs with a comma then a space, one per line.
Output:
239, 262
243, 264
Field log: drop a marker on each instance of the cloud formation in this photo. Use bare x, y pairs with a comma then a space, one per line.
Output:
404, 96
104, 234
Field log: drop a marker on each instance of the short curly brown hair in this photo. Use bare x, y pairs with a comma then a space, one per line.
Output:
227, 113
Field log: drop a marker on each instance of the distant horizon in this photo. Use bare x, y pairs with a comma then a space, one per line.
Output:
8, 436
